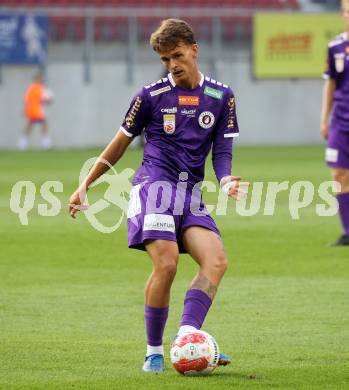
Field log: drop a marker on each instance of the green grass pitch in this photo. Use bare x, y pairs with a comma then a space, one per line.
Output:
71, 298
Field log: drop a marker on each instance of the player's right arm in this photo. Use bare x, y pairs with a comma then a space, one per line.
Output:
135, 121
112, 153
327, 102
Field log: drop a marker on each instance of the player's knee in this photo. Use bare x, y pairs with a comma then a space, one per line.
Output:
166, 267
220, 264
337, 176
342, 177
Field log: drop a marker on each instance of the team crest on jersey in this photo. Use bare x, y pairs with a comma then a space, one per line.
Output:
169, 123
206, 119
339, 62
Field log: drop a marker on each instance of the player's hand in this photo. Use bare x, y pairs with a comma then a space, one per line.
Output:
77, 202
234, 187
324, 130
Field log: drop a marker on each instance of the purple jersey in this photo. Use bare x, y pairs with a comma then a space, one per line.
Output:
338, 70
180, 127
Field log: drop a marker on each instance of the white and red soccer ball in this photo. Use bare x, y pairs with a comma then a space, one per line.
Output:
194, 353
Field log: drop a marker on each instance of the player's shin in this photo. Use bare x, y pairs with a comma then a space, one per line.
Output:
343, 202
155, 321
196, 306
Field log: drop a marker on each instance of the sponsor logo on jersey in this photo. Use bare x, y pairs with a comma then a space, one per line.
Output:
188, 100
339, 62
188, 113
231, 105
172, 110
169, 123
206, 119
160, 222
161, 90
215, 93
130, 119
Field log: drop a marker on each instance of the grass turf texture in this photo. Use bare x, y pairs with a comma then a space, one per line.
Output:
71, 298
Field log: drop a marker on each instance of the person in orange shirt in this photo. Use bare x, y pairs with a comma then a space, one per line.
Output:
35, 97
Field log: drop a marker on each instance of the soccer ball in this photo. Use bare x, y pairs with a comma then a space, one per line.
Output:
194, 353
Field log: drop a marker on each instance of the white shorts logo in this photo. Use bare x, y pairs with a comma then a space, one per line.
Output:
206, 119
134, 204
331, 155
160, 222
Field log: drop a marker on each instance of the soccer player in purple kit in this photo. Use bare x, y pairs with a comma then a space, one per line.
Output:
335, 119
183, 115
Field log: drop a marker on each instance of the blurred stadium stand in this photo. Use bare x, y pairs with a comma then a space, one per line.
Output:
279, 4
108, 28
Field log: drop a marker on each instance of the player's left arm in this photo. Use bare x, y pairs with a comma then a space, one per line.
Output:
330, 76
47, 96
226, 130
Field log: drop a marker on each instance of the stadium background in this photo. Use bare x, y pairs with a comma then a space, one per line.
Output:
71, 298
94, 58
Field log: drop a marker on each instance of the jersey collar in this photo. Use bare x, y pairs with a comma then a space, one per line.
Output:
170, 77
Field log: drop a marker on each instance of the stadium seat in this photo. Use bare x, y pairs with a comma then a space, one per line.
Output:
146, 25
67, 28
111, 28
57, 28
237, 27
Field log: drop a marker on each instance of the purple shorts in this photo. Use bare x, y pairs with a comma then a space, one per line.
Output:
337, 151
162, 211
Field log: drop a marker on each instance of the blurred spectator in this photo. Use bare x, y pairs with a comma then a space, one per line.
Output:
35, 97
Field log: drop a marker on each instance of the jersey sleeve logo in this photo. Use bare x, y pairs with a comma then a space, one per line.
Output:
169, 123
339, 62
130, 119
206, 119
231, 105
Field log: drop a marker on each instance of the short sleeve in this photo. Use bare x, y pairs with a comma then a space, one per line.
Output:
138, 115
330, 71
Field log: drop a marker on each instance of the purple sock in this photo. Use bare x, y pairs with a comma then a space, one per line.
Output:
196, 306
343, 201
155, 320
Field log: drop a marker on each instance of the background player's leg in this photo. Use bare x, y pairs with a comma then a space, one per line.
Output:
45, 138
24, 138
164, 255
342, 176
206, 249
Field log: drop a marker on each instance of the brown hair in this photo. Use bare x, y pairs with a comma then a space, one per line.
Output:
170, 34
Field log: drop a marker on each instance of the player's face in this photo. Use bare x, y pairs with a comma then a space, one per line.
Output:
181, 63
345, 13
